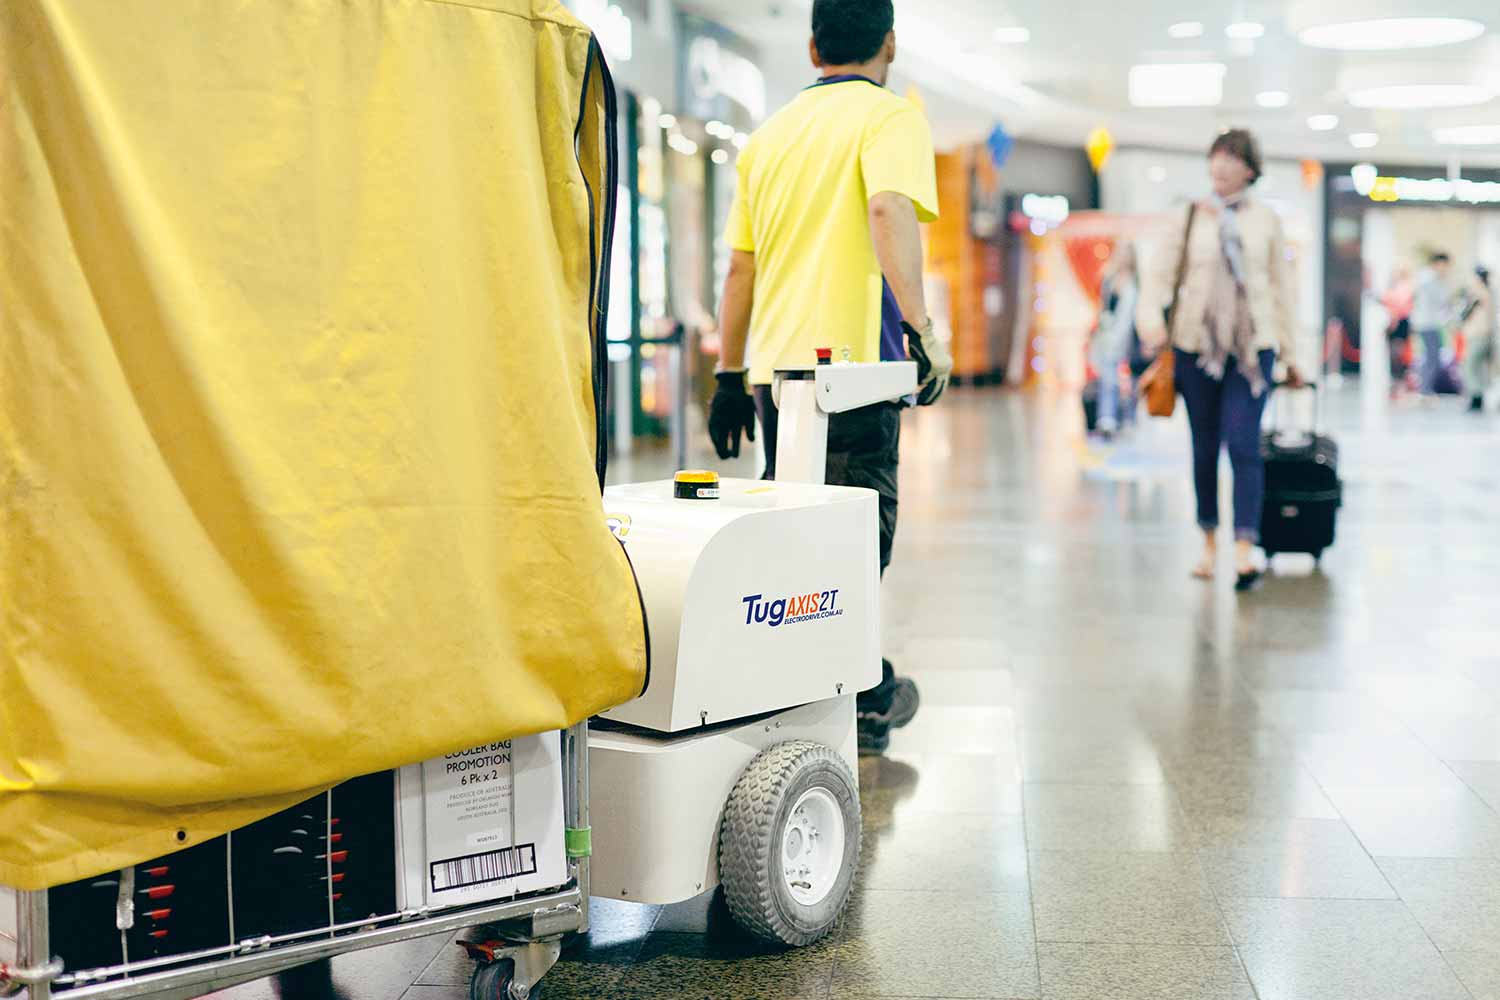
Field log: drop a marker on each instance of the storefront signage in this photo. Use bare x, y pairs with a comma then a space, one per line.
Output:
1377, 187
1048, 209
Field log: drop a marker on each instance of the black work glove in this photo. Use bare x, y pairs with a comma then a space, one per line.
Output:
730, 413
934, 362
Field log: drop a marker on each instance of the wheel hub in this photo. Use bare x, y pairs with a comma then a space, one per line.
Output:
812, 846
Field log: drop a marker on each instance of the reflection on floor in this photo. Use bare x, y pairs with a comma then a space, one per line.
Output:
1128, 784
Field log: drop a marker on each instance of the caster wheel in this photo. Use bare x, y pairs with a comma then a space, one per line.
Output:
790, 843
494, 982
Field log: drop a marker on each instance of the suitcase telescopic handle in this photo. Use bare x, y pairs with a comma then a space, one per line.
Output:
1316, 388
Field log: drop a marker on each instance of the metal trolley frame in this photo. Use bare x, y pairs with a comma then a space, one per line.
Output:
528, 932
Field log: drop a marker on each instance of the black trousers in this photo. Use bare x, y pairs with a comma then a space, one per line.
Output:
864, 449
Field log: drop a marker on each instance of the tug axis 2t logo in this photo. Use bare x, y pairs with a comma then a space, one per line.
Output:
791, 610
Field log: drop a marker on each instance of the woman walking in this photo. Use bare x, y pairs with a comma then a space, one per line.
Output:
1114, 335
1233, 314
1480, 331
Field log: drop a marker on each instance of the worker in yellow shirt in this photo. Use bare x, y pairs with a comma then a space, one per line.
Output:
826, 252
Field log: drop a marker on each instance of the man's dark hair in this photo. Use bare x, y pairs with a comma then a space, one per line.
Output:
1438, 258
847, 32
1240, 144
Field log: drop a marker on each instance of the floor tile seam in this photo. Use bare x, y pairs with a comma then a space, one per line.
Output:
1224, 921
1472, 790
935, 892
1318, 899
1447, 964
1098, 784
1323, 789
1036, 942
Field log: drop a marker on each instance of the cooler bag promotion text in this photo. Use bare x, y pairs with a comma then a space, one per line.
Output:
481, 824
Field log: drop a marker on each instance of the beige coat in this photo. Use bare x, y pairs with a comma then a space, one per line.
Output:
1268, 281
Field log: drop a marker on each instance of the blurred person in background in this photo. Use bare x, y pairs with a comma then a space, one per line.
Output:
1431, 314
1481, 327
1114, 335
1397, 300
827, 252
1234, 314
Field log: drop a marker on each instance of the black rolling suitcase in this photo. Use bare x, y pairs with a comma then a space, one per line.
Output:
1303, 490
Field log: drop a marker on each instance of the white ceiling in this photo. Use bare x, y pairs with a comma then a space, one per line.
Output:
1072, 74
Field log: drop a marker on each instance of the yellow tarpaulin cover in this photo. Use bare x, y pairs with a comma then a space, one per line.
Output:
298, 406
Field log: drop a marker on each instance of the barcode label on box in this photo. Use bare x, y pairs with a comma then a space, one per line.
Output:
478, 869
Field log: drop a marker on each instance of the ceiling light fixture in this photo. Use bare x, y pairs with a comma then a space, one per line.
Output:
1177, 85
1323, 123
1364, 140
1012, 36
1273, 98
1467, 135
1245, 30
1391, 33
1408, 96
1157, 174
1186, 29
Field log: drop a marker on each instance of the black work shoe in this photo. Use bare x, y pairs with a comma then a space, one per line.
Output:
874, 737
904, 702
1248, 581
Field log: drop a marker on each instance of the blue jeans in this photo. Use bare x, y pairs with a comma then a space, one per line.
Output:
1224, 412
1109, 399
1432, 360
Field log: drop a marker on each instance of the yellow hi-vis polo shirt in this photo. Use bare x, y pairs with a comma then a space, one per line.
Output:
802, 207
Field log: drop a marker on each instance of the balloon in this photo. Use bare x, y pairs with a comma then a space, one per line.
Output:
1099, 146
1000, 144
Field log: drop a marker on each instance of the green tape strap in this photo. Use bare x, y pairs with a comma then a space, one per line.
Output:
580, 843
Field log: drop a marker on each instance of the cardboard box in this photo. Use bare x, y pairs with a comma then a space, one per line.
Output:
481, 824
10, 926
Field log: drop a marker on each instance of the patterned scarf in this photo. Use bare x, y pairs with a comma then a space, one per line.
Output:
1230, 333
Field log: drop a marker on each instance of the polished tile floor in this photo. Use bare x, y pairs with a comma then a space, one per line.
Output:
1128, 784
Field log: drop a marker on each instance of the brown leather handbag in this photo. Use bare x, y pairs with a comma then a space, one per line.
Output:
1158, 383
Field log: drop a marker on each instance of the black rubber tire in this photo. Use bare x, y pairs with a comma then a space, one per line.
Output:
492, 982
750, 842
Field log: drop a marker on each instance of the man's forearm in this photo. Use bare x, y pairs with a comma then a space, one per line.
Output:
735, 306
898, 247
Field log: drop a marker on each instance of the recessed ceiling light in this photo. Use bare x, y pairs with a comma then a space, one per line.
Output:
1384, 34
1468, 135
1273, 98
1245, 29
1012, 36
1364, 176
1186, 29
1323, 123
1364, 140
1177, 85
667, 121
719, 156
1404, 96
